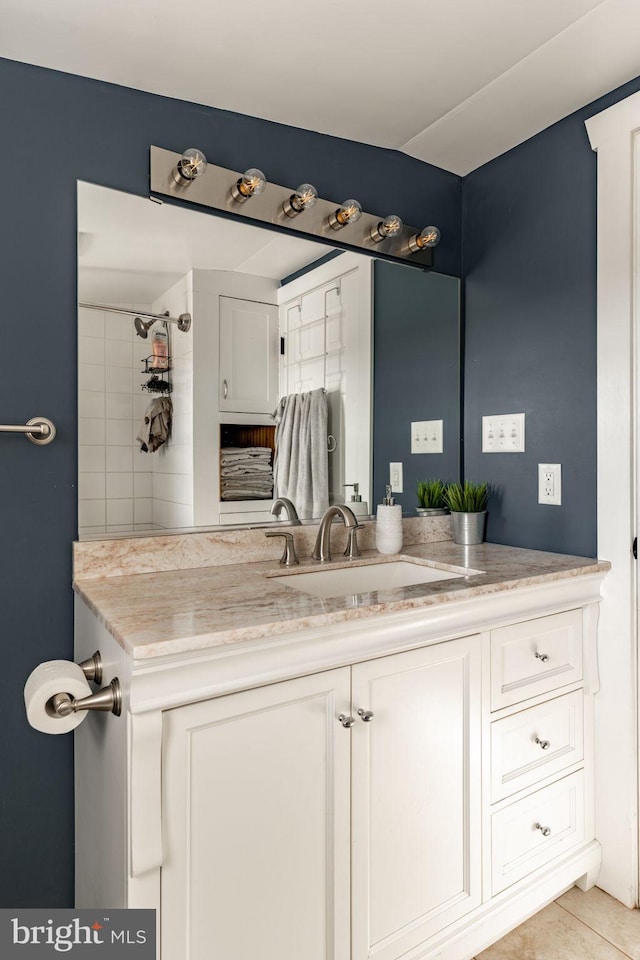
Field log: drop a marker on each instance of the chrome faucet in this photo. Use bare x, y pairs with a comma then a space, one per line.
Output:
322, 549
283, 504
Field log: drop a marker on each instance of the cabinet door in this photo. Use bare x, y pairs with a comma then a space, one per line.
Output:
248, 356
416, 796
256, 824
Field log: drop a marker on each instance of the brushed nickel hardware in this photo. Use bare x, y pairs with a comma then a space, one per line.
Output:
345, 720
545, 831
352, 549
322, 548
365, 715
108, 700
332, 444
92, 668
288, 558
213, 188
543, 744
284, 505
39, 430
183, 322
542, 657
225, 387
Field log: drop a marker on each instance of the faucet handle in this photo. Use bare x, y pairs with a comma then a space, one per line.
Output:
288, 558
352, 550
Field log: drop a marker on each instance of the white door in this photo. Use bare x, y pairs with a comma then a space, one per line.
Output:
327, 343
256, 824
416, 796
248, 356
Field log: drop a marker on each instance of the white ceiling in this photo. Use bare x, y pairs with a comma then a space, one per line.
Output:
131, 250
451, 82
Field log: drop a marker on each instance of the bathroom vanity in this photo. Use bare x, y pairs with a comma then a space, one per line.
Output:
405, 772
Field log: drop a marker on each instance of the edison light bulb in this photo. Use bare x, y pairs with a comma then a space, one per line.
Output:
303, 199
191, 164
388, 228
429, 237
251, 183
349, 212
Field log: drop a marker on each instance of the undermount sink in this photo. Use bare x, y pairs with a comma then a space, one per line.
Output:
346, 581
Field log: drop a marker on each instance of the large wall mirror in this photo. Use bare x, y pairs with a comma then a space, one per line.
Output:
177, 428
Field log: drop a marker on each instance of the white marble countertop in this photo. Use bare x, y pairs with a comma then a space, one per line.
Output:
178, 611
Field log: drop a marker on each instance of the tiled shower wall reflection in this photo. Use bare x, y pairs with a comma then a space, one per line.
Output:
114, 479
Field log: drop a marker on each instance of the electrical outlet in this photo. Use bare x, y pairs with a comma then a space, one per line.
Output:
426, 436
395, 477
550, 483
503, 433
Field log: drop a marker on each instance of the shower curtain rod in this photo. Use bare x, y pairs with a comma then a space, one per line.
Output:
183, 322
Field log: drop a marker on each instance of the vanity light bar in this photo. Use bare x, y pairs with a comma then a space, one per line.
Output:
213, 188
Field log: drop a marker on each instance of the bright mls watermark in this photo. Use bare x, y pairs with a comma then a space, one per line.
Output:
78, 933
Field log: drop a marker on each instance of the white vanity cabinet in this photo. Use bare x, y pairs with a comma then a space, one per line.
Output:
260, 789
256, 811
403, 786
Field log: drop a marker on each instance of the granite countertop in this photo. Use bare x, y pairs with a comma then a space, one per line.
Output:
176, 611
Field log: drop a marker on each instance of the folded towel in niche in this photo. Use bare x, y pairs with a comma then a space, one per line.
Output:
246, 470
156, 425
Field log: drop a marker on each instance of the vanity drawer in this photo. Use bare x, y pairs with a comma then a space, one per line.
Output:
519, 761
534, 657
518, 844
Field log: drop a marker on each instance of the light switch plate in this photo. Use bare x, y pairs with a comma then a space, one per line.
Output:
426, 436
503, 433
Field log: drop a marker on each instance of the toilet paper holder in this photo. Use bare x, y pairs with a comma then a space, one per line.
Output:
108, 699
92, 667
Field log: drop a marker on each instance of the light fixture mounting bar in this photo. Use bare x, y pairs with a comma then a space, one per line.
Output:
213, 189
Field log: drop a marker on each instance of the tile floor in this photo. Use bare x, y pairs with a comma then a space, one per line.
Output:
577, 926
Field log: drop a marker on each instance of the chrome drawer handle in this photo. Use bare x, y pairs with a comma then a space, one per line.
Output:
345, 720
226, 388
545, 831
366, 715
543, 657
543, 744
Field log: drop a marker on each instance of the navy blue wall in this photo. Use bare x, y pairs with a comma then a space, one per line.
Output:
58, 129
529, 242
415, 375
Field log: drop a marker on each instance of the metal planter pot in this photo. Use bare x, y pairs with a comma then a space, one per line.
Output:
468, 528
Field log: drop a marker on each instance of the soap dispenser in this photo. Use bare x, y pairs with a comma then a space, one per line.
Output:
358, 506
389, 525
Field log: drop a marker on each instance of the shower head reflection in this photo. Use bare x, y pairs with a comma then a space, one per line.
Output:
142, 327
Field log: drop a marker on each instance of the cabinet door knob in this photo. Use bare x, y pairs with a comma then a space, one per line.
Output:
543, 657
225, 386
366, 715
545, 831
345, 720
543, 744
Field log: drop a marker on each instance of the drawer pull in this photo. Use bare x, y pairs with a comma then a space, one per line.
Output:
346, 721
366, 715
543, 657
545, 831
543, 744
